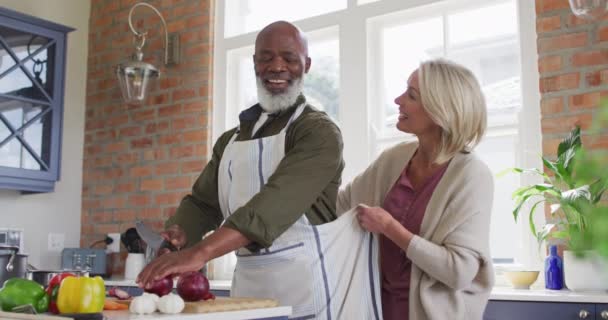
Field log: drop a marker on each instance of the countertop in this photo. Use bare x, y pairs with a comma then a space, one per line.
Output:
543, 295
498, 293
228, 315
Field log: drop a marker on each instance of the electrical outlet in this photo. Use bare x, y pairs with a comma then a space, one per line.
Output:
115, 245
56, 242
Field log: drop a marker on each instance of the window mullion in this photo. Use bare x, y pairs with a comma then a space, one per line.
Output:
354, 119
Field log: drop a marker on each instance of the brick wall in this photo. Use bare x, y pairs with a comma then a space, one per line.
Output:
573, 66
140, 161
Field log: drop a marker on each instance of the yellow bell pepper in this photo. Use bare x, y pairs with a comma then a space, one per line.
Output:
81, 295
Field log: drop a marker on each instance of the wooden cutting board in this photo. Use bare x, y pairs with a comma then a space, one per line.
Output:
221, 304
23, 316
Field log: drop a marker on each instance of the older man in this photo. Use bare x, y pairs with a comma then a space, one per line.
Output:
272, 182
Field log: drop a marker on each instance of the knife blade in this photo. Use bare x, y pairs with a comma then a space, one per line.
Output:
152, 238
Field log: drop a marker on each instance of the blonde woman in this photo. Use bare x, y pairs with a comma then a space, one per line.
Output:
430, 201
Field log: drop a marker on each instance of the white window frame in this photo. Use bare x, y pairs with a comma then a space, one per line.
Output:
357, 81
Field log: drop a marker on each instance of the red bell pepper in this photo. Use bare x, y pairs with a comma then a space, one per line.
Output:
53, 288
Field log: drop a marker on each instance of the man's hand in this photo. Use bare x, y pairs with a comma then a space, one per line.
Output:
191, 259
176, 236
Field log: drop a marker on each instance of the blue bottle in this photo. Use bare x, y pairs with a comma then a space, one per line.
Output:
554, 270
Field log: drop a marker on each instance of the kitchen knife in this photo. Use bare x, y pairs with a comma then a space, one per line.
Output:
152, 238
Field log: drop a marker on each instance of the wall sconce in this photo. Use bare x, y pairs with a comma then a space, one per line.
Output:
136, 76
588, 9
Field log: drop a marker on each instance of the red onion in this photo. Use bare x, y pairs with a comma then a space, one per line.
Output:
193, 286
161, 287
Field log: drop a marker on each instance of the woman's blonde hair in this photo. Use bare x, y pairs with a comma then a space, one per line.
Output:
452, 98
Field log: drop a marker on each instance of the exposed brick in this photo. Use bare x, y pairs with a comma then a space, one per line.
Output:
170, 111
142, 143
192, 166
141, 171
552, 105
115, 147
170, 139
159, 127
584, 101
168, 168
544, 6
154, 154
125, 167
139, 200
182, 152
183, 94
195, 136
548, 24
103, 190
563, 41
566, 123
151, 185
178, 183
590, 58
125, 187
560, 82
549, 64
113, 202
602, 34
168, 198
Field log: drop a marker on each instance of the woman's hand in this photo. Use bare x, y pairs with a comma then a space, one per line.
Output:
374, 219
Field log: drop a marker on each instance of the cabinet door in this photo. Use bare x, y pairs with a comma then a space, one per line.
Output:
32, 60
523, 310
601, 311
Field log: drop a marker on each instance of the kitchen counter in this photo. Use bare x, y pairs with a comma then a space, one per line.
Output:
264, 313
542, 295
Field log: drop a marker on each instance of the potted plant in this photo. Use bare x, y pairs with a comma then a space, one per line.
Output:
572, 188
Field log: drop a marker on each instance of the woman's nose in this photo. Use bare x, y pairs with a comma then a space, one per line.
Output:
397, 100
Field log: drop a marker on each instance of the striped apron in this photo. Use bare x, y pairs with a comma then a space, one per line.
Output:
327, 271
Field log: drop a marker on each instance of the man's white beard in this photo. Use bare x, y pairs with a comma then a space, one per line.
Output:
272, 103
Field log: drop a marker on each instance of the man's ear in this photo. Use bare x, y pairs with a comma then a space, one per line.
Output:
307, 65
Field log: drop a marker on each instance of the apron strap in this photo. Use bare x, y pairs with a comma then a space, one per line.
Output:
294, 116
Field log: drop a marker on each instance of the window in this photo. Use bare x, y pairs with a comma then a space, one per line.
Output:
32, 55
362, 55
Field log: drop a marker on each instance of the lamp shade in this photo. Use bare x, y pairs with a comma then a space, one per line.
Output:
136, 78
588, 9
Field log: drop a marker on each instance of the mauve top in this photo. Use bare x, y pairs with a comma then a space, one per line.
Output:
407, 206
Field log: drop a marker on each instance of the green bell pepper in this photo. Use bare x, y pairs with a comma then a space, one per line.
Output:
17, 292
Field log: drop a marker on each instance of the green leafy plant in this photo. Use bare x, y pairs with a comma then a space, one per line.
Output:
572, 186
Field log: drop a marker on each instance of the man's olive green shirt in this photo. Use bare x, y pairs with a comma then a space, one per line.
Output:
305, 182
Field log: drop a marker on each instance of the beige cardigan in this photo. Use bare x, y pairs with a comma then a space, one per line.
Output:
452, 273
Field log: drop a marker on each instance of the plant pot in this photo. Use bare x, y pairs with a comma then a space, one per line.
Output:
586, 273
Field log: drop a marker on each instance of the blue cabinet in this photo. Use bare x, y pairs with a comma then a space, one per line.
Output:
32, 69
601, 311
528, 310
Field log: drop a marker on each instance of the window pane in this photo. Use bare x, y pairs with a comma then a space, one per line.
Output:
321, 84
243, 16
403, 48
487, 23
499, 153
322, 81
36, 135
488, 45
